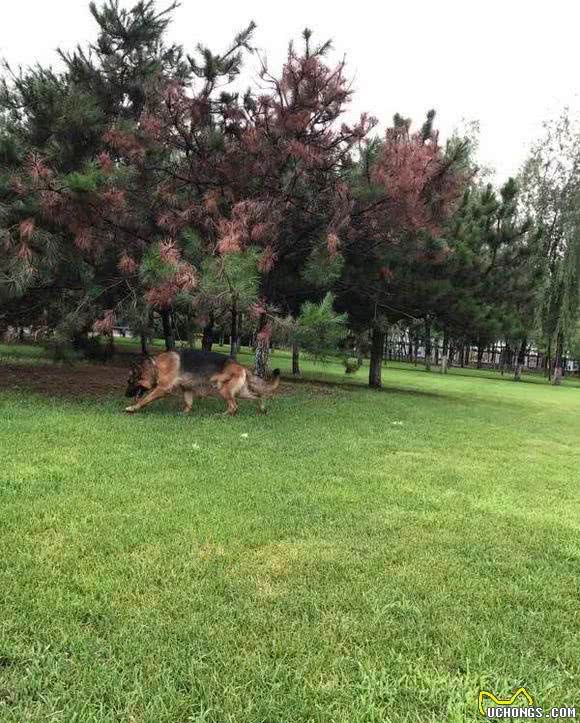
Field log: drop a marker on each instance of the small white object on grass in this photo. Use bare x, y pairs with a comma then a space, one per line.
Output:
244, 435
195, 445
398, 424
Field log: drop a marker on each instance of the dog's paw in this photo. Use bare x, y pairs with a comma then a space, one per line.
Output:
131, 409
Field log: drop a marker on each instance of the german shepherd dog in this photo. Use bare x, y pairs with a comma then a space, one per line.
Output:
194, 373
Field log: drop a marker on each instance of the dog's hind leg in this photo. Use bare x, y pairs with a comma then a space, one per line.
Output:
232, 388
187, 400
156, 393
246, 393
229, 399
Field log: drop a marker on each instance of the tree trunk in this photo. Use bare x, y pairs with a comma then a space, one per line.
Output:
110, 350
359, 353
144, 348
557, 375
262, 354
480, 350
462, 356
295, 359
445, 353
207, 338
427, 345
79, 339
376, 362
520, 361
234, 330
262, 350
239, 336
508, 357
416, 348
167, 330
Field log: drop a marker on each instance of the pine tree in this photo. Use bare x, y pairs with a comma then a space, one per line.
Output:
493, 272
405, 188
229, 287
101, 189
57, 121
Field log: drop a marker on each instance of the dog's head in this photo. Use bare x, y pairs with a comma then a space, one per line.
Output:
141, 379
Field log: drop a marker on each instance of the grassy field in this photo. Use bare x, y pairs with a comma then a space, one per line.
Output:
353, 556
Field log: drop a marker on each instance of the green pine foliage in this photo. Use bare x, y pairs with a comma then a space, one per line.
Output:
322, 270
232, 278
89, 180
319, 328
154, 268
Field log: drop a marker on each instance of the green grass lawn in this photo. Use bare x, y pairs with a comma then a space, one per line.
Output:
353, 556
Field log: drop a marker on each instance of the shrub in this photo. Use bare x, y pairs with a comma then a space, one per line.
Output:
351, 365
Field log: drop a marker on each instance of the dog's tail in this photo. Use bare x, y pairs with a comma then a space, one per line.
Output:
259, 386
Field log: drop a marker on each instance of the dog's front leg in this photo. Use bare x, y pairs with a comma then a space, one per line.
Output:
156, 393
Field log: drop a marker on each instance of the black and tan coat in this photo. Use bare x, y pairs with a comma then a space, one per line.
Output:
195, 373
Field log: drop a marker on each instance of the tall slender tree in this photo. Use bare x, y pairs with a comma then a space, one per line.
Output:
551, 188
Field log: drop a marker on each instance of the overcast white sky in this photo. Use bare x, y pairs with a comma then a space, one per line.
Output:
508, 63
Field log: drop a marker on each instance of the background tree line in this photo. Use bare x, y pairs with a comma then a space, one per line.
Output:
139, 185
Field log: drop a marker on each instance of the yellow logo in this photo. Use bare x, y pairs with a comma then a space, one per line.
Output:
509, 701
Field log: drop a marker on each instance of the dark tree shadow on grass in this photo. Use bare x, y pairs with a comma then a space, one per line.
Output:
89, 383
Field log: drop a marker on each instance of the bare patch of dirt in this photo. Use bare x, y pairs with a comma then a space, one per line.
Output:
55, 380
91, 380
